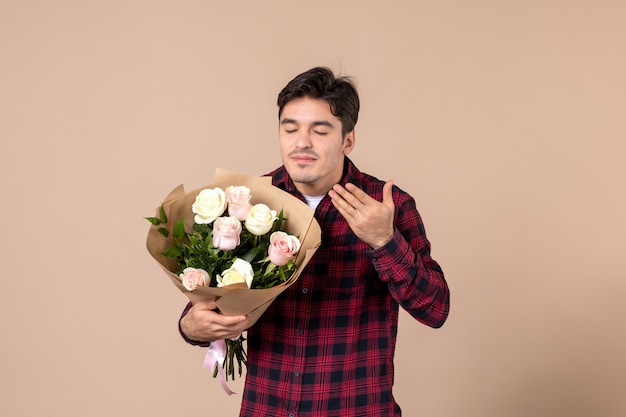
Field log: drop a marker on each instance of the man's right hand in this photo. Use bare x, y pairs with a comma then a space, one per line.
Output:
203, 323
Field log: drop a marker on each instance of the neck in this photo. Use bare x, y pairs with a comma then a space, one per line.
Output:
313, 190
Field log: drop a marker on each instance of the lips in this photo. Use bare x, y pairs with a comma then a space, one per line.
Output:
302, 158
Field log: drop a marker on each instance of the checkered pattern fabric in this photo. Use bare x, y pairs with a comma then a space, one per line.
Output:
325, 347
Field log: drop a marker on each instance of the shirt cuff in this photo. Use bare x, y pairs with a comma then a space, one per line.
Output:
387, 257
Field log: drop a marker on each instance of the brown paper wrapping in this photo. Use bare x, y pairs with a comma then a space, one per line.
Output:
238, 299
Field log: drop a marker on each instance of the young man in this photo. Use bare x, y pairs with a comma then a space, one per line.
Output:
325, 346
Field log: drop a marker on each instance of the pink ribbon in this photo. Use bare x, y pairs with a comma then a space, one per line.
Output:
217, 354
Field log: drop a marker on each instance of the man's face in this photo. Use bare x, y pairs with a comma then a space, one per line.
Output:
312, 146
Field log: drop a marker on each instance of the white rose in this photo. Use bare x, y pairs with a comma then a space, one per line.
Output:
240, 271
209, 205
260, 219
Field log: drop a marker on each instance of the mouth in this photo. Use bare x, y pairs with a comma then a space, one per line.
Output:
302, 159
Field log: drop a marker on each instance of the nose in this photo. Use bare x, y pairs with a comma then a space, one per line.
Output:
304, 139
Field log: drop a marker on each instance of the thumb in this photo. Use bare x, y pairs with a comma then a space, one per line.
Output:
388, 195
205, 305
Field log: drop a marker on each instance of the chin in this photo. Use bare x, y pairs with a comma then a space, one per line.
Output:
297, 175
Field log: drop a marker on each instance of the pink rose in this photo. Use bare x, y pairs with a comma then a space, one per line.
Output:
226, 232
193, 278
282, 248
238, 199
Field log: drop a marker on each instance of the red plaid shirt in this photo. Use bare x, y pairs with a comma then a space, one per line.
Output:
325, 346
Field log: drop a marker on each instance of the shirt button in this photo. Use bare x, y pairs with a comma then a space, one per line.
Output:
291, 415
300, 332
305, 290
296, 373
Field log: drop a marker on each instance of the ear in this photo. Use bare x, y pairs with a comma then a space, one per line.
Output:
349, 141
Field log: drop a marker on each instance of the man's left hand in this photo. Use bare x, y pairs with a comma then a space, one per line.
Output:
369, 219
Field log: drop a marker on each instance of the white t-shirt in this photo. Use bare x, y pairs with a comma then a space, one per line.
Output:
313, 201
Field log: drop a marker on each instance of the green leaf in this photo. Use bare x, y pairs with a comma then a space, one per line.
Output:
270, 268
173, 252
179, 229
200, 227
251, 254
164, 231
279, 220
163, 216
153, 220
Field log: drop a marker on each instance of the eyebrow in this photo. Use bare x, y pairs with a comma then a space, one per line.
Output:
315, 123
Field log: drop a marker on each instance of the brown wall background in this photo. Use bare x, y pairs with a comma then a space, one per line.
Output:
505, 119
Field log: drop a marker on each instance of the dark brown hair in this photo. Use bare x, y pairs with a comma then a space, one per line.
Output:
321, 83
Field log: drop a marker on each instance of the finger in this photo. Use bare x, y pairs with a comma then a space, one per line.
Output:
231, 320
388, 194
337, 196
211, 308
343, 207
353, 196
357, 193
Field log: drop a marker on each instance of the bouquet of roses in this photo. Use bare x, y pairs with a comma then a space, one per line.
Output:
224, 242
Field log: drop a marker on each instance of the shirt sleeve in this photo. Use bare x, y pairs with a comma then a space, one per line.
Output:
414, 278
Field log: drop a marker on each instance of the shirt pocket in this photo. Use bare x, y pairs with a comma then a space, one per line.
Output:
349, 270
